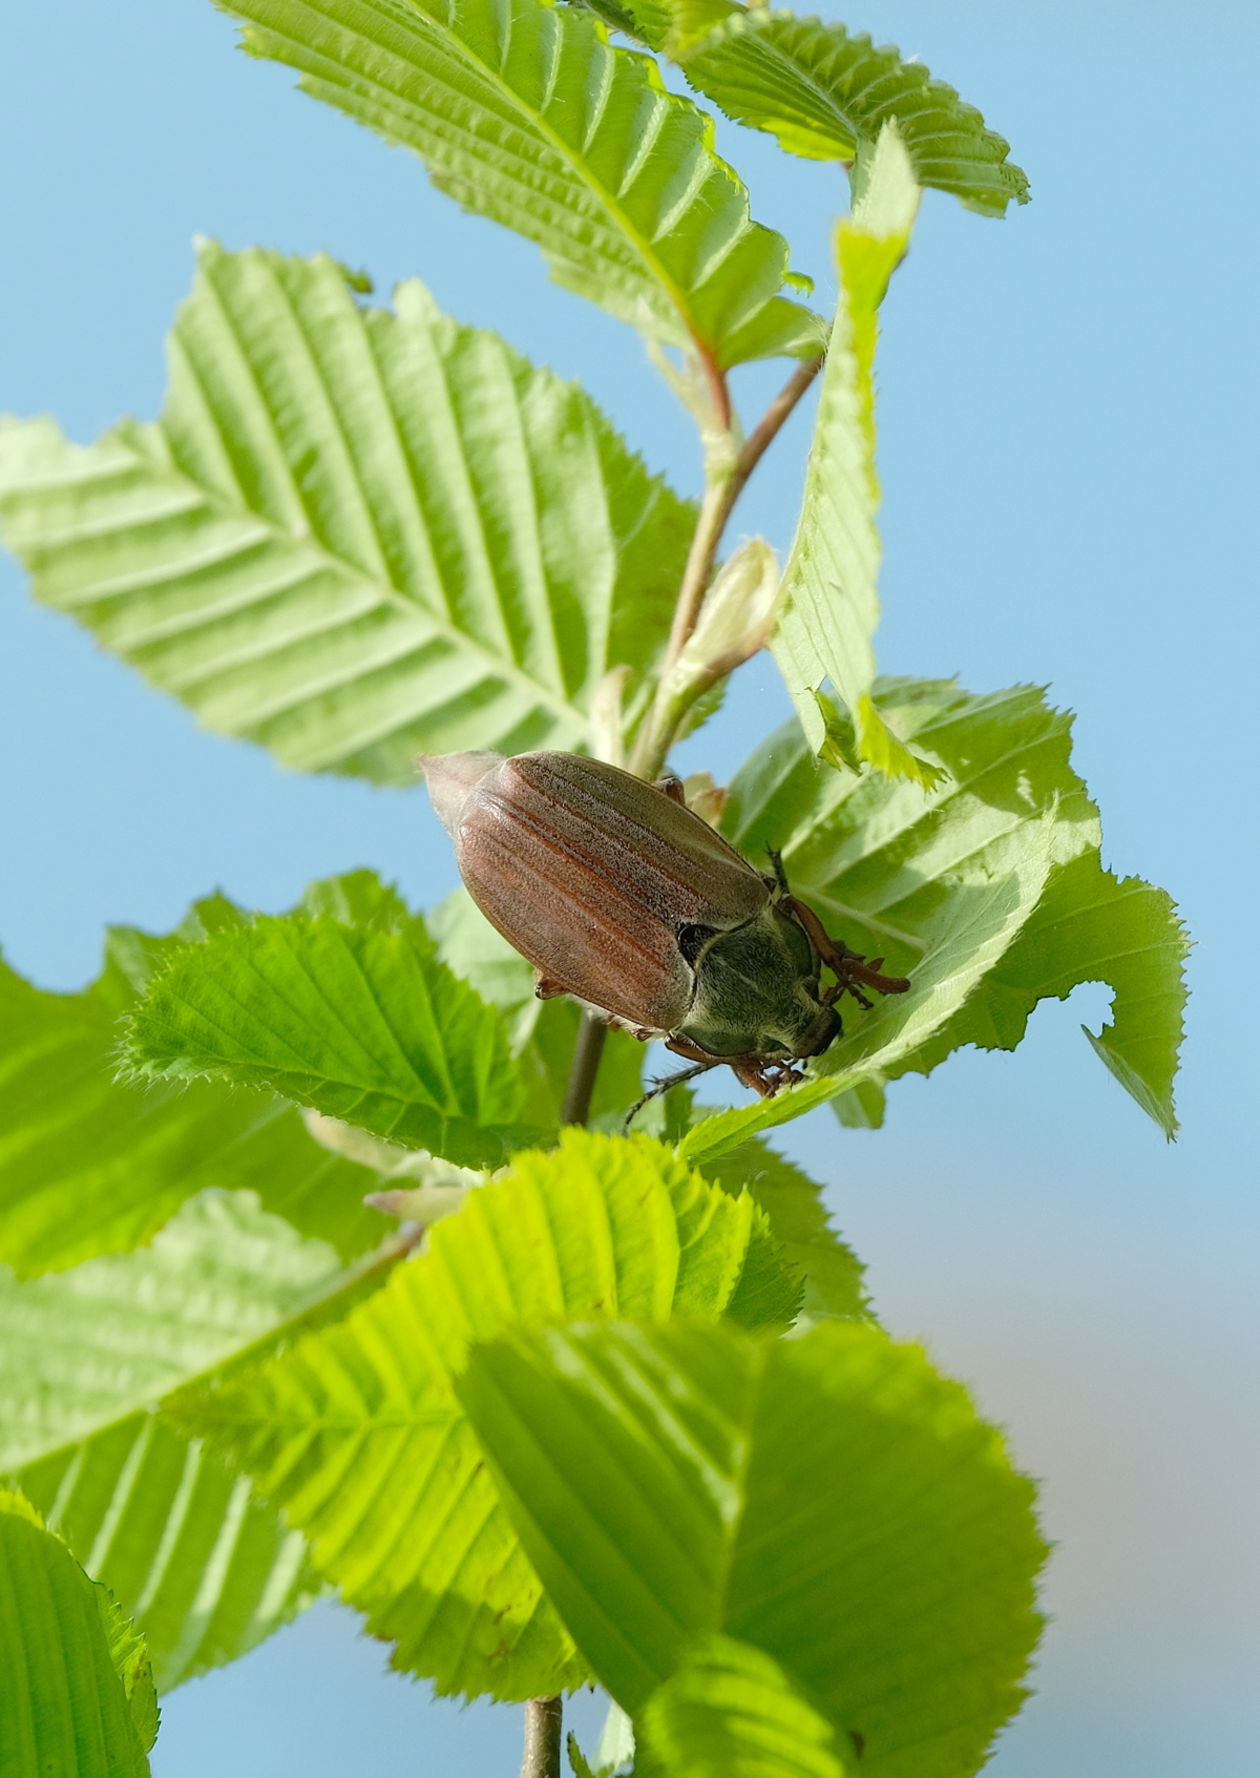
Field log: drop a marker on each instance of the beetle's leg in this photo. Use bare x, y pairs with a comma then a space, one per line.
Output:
683, 1046
848, 967
764, 1077
543, 989
764, 1074
672, 785
662, 1086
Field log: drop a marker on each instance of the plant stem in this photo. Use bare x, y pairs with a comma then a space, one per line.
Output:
586, 1059
543, 1720
725, 483
721, 493
771, 422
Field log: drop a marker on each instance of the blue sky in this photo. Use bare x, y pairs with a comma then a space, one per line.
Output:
1068, 423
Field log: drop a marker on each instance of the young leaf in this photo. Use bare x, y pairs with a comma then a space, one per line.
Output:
366, 1026
831, 603
524, 112
647, 1471
976, 917
730, 1709
73, 1697
356, 1432
881, 863
353, 535
203, 1565
823, 91
90, 1164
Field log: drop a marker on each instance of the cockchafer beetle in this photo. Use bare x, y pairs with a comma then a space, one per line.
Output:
625, 900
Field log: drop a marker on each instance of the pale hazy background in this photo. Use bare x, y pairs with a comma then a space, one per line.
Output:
1069, 454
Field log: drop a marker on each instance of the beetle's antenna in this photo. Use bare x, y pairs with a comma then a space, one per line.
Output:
663, 1085
776, 865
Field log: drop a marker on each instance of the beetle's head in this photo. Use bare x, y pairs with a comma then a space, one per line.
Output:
824, 1030
803, 1026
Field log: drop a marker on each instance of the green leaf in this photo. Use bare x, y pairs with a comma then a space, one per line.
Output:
647, 21
525, 113
730, 1711
798, 1221
830, 584
579, 1765
367, 1026
823, 91
72, 1698
129, 1653
89, 1164
831, 1501
976, 916
353, 535
205, 1568
881, 863
356, 1432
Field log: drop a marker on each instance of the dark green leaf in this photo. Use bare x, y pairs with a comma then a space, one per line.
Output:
89, 1164
68, 1707
362, 1025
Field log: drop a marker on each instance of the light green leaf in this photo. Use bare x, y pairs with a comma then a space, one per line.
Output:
89, 1164
525, 113
879, 861
799, 1223
205, 1568
976, 917
353, 535
357, 1435
366, 1026
822, 91
68, 1707
830, 584
730, 1711
831, 1501
615, 1747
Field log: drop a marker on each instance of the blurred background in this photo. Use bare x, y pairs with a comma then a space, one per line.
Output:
1068, 446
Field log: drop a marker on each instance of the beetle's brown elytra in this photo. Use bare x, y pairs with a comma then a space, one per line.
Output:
623, 898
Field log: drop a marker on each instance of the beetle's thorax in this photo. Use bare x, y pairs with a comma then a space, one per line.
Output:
757, 991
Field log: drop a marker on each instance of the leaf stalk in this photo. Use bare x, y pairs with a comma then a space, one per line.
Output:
725, 481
